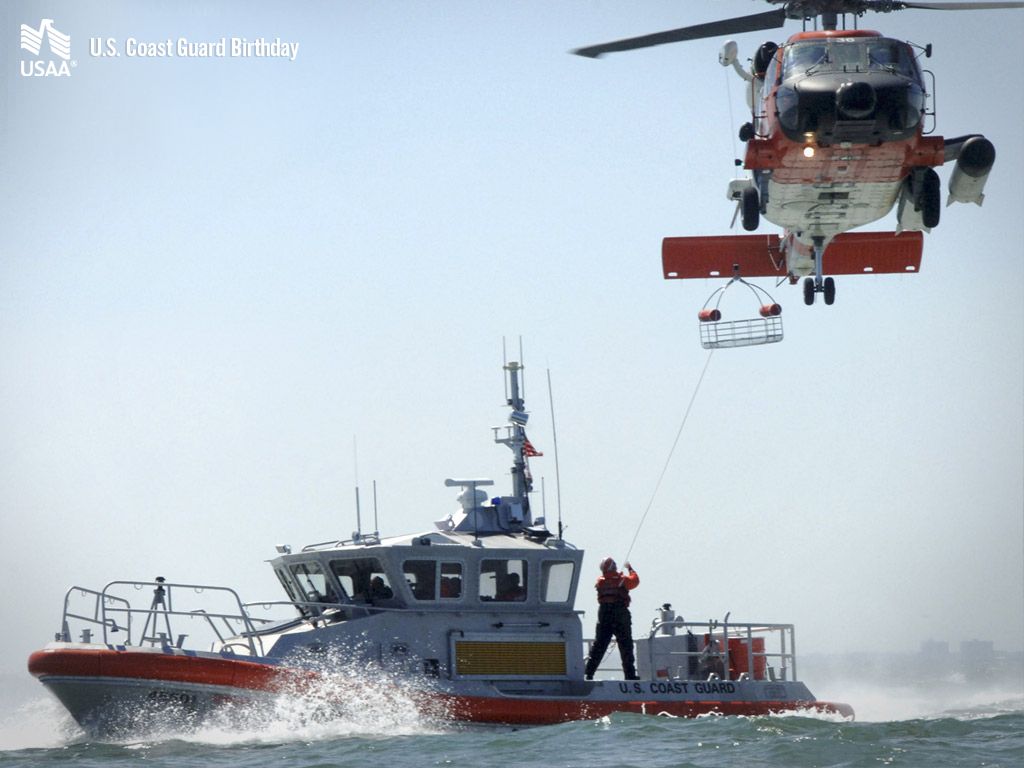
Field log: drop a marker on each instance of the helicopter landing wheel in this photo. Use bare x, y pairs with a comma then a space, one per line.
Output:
830, 291
931, 199
808, 291
751, 209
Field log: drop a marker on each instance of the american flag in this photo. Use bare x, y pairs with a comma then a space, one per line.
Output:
528, 449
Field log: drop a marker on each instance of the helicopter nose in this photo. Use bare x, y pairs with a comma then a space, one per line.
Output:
856, 101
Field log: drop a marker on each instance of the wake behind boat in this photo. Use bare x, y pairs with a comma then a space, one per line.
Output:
473, 620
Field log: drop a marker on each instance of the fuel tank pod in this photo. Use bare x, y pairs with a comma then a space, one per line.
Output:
973, 165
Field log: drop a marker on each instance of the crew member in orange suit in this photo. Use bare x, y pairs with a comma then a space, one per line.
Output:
613, 617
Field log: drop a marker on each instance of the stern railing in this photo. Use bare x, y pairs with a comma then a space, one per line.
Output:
712, 650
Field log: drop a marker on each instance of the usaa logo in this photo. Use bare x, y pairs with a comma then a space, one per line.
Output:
60, 47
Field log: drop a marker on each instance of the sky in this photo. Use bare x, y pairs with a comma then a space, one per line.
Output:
232, 289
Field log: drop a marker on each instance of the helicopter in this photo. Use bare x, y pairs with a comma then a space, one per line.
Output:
837, 139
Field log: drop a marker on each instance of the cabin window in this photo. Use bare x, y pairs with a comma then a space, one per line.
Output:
363, 578
286, 583
430, 579
421, 576
503, 580
314, 584
451, 581
556, 581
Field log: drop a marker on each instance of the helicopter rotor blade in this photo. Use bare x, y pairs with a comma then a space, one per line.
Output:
769, 20
959, 6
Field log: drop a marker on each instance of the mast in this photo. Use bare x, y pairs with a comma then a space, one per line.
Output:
522, 483
505, 514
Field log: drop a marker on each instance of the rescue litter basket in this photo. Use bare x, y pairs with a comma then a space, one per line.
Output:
716, 333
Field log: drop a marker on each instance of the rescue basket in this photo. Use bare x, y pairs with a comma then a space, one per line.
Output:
716, 333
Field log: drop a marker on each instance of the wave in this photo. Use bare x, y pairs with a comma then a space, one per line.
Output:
347, 716
876, 701
36, 723
620, 741
342, 702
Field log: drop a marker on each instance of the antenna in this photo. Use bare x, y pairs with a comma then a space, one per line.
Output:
554, 441
355, 463
376, 528
359, 522
522, 362
504, 366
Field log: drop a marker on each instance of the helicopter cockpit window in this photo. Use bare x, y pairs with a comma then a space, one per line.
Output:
800, 57
891, 56
847, 55
771, 74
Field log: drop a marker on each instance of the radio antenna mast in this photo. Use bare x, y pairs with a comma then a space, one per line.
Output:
554, 441
376, 527
355, 467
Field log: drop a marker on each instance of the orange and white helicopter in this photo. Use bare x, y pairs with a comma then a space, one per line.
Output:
836, 139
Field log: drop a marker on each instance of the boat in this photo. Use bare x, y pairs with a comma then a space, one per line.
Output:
473, 620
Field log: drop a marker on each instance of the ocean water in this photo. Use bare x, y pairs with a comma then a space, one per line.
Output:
895, 726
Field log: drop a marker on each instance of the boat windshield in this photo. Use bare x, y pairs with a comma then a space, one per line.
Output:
314, 584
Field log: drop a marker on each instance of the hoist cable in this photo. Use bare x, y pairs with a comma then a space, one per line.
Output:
664, 470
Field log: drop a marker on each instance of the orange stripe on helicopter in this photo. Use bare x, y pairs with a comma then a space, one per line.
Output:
860, 163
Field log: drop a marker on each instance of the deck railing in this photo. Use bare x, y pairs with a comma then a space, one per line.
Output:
109, 617
721, 650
